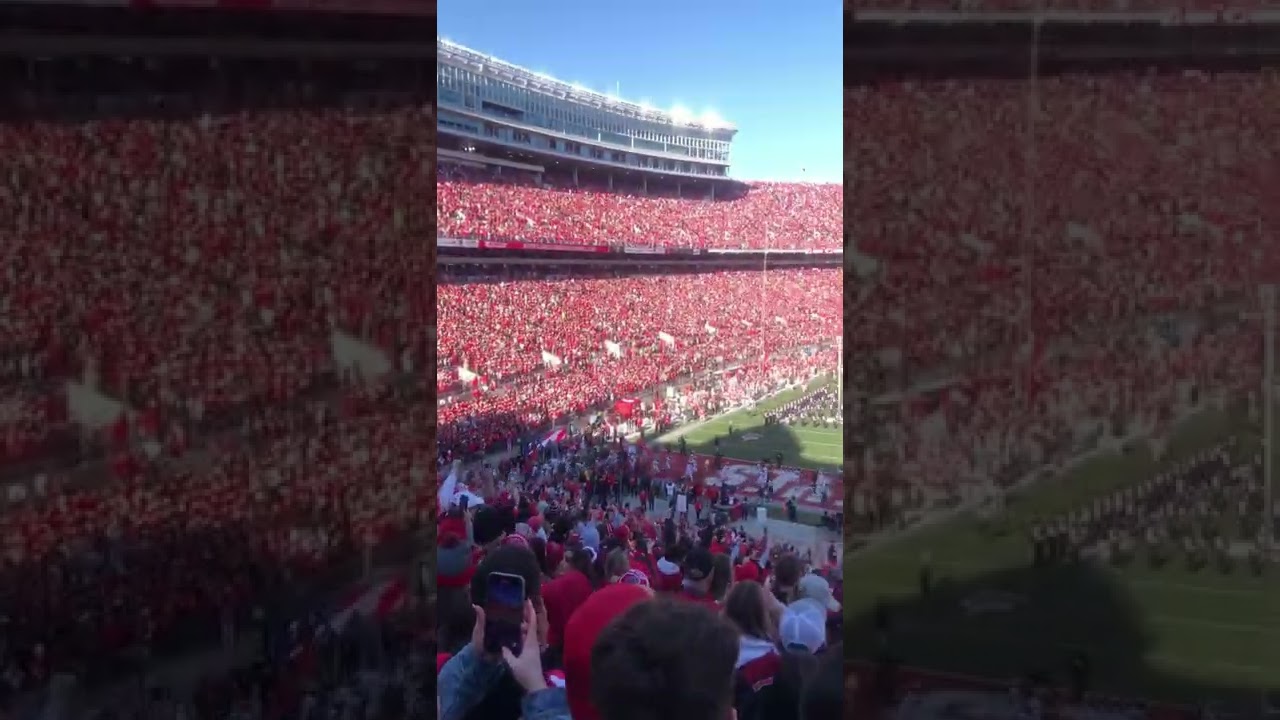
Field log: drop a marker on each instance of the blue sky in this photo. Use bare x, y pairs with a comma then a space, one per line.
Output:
773, 69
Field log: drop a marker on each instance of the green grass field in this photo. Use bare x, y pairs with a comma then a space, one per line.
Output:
808, 447
1167, 634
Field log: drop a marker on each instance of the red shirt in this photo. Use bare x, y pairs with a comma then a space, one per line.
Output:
561, 597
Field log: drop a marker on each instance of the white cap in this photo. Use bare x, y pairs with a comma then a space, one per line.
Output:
814, 587
803, 624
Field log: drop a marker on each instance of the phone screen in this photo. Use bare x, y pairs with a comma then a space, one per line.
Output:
503, 612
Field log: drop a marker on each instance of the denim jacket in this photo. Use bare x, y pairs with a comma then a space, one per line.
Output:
467, 677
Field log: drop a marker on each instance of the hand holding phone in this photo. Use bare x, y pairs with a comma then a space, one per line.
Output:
526, 667
504, 613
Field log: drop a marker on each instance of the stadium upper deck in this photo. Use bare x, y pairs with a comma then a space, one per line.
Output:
505, 110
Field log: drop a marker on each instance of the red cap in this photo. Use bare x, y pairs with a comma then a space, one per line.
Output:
555, 555
746, 571
623, 533
586, 624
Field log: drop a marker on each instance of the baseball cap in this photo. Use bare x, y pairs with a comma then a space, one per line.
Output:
454, 562
816, 588
748, 570
698, 563
585, 625
803, 626
634, 577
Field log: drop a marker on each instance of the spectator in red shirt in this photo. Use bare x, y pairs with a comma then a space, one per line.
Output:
566, 593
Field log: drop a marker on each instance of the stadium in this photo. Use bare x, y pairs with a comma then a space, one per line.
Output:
636, 353
591, 281
1060, 494
215, 467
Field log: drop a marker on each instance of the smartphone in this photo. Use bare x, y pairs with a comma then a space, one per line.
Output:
503, 612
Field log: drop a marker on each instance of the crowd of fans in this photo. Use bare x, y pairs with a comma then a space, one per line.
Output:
544, 349
193, 284
1074, 266
195, 269
1036, 281
1106, 198
550, 208
626, 613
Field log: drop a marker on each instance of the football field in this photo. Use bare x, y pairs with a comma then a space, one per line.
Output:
1166, 633
805, 446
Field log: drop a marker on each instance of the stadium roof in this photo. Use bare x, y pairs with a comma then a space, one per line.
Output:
576, 93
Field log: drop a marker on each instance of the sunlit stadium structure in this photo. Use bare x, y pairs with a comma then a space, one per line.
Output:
494, 107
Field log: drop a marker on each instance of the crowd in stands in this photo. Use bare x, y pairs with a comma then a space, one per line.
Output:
1116, 203
194, 270
1076, 264
486, 205
1117, 196
540, 346
191, 285
626, 613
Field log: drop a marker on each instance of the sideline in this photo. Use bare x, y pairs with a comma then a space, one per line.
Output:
677, 433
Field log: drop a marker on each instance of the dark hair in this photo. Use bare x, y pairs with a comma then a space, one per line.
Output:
561, 527
823, 695
511, 559
579, 558
676, 551
722, 575
665, 660
489, 524
781, 700
745, 607
786, 573
538, 547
